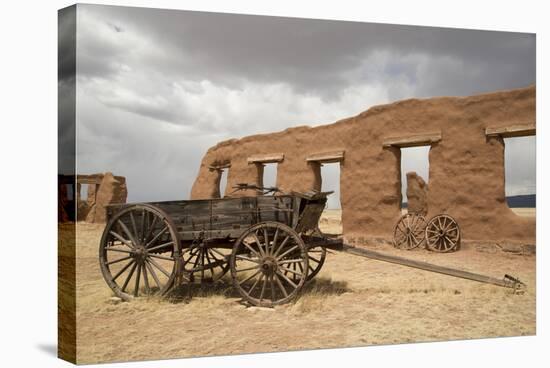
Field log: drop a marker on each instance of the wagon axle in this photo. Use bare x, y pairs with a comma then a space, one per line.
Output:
269, 266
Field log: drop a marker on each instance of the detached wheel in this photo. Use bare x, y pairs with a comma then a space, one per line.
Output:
262, 261
408, 233
442, 234
138, 252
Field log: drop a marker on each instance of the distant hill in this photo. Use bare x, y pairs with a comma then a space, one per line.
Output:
519, 201
523, 201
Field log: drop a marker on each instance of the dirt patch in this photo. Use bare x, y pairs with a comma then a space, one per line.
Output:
352, 302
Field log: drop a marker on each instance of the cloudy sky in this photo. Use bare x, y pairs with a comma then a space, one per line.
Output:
157, 88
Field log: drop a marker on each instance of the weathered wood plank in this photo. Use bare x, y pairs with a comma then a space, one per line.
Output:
220, 166
266, 159
412, 140
517, 130
326, 157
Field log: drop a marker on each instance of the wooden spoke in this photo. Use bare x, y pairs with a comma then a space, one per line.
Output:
287, 280
252, 250
122, 270
118, 260
274, 242
258, 280
128, 233
154, 263
204, 265
286, 261
129, 276
134, 227
311, 258
111, 249
266, 240
150, 229
272, 286
152, 272
263, 290
124, 241
247, 259
152, 241
287, 252
142, 233
138, 276
218, 252
248, 269
249, 278
145, 278
294, 271
160, 246
161, 257
281, 246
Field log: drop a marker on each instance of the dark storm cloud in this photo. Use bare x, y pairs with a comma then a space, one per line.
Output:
158, 87
313, 55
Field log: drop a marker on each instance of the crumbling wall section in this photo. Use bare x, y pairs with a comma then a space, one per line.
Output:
466, 165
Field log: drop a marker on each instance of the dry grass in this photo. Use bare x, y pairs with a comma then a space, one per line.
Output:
352, 302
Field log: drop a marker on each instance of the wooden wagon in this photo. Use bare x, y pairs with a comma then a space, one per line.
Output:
270, 244
262, 240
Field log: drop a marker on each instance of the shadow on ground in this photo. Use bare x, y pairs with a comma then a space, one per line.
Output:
186, 292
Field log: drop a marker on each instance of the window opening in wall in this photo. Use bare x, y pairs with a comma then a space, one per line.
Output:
413, 159
223, 181
83, 192
520, 174
270, 175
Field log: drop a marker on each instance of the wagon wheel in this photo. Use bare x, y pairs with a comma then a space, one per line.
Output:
138, 252
408, 233
204, 263
442, 234
260, 261
316, 259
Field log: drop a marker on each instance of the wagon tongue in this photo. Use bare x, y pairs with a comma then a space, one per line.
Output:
507, 281
514, 283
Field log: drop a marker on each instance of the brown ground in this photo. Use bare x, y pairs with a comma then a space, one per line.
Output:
353, 302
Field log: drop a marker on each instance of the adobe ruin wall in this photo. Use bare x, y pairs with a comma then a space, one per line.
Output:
466, 159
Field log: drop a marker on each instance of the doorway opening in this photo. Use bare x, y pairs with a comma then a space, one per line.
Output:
330, 181
520, 174
331, 220
413, 159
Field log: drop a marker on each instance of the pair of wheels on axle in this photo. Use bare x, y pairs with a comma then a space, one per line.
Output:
440, 234
140, 254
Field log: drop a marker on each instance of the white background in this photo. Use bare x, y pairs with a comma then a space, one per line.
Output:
28, 209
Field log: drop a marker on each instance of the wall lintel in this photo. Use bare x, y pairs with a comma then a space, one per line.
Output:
516, 130
326, 157
412, 140
266, 159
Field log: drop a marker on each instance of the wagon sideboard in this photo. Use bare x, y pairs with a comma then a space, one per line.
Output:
229, 217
